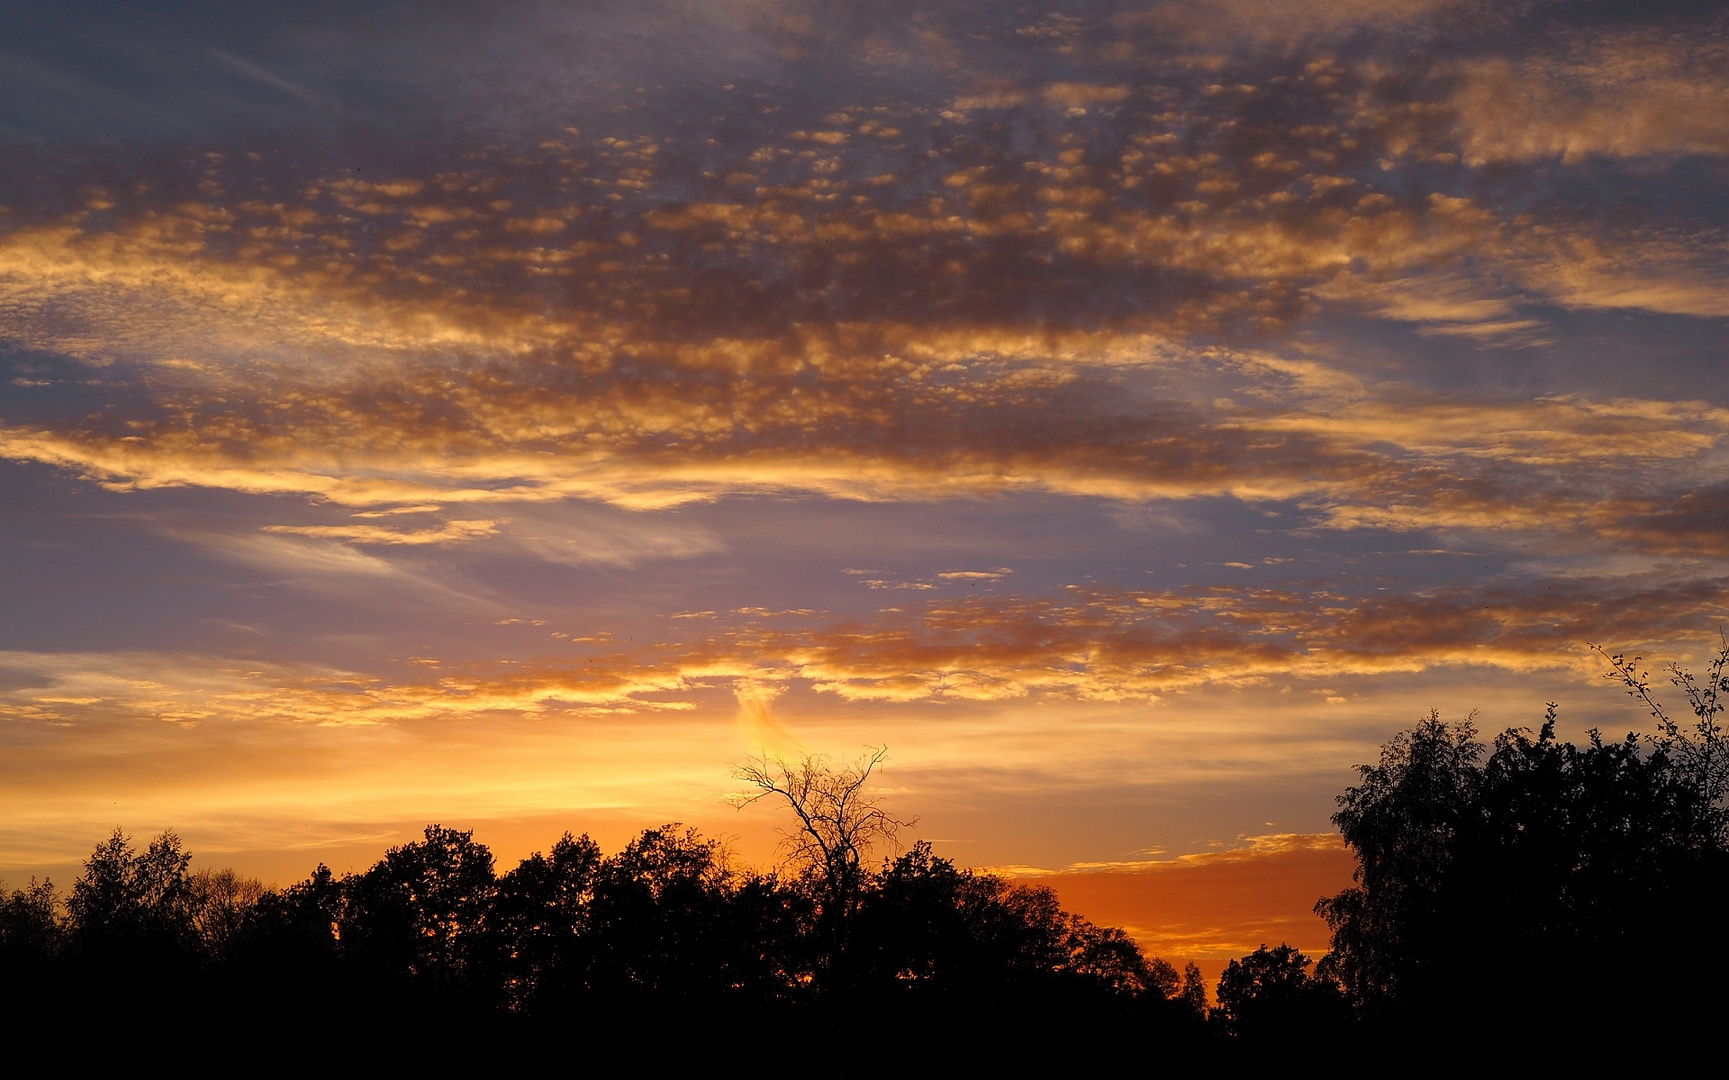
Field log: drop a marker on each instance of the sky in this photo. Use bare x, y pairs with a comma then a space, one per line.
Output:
516, 415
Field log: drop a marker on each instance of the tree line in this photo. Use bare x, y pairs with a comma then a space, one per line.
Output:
1529, 875
667, 927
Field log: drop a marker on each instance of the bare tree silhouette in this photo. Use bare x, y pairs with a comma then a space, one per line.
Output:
839, 823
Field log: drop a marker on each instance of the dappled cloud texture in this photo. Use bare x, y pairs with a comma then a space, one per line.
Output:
945, 286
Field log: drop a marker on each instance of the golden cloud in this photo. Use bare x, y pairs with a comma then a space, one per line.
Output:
871, 316
1088, 645
1650, 90
458, 530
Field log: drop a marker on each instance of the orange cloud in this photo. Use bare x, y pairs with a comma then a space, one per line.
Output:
378, 534
852, 412
1092, 644
1647, 90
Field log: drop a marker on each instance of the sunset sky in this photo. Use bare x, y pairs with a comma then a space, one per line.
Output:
512, 415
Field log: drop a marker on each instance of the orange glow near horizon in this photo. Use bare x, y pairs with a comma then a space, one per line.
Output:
1214, 907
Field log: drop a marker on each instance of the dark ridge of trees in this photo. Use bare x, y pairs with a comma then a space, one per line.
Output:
1529, 881
664, 941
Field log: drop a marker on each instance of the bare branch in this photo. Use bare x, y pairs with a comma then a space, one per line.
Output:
838, 824
1703, 751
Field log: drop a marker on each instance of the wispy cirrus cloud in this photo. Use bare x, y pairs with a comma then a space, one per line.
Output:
448, 532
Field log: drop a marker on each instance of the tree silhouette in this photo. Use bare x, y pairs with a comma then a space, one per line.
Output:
971, 952
666, 920
1582, 867
665, 941
289, 958
1404, 821
657, 921
1702, 753
30, 930
422, 913
1270, 994
1191, 993
1530, 874
838, 823
542, 909
220, 903
131, 899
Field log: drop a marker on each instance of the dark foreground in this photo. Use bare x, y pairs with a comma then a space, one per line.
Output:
1532, 896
